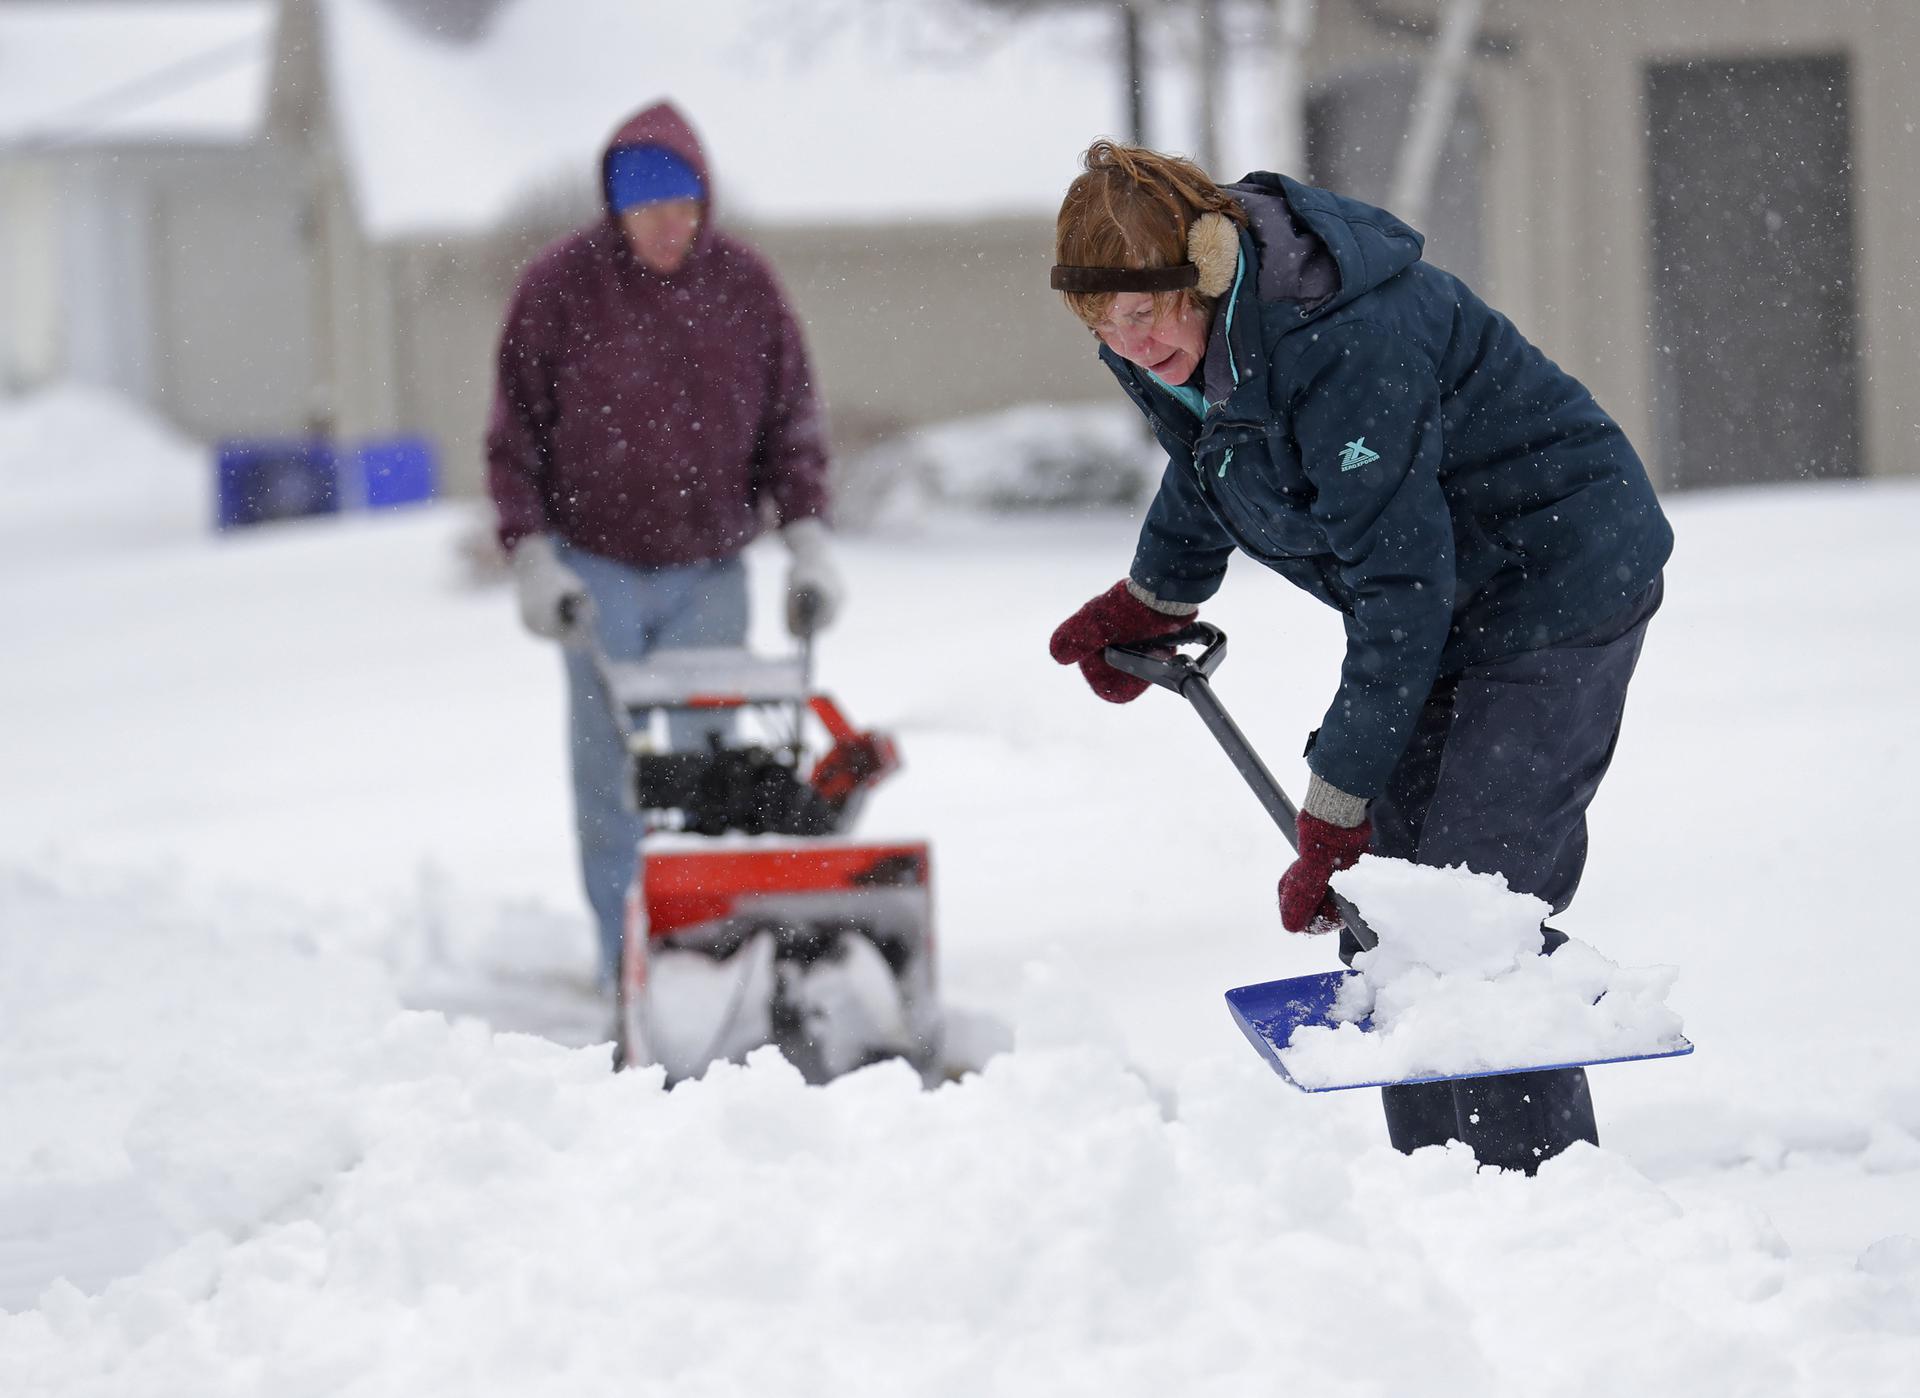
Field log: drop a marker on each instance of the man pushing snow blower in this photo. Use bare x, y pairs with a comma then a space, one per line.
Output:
653, 405
1363, 424
653, 397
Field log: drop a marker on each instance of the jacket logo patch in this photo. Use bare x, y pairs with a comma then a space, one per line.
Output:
1356, 454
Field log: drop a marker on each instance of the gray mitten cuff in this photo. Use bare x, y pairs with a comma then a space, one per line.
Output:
1147, 599
1327, 802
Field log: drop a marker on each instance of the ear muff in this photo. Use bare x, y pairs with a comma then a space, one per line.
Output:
1213, 246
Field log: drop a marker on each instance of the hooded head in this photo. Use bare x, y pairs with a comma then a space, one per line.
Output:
654, 179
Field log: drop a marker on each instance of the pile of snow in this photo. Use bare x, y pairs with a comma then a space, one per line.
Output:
258, 1171
170, 1066
84, 469
259, 1175
1033, 457
1457, 985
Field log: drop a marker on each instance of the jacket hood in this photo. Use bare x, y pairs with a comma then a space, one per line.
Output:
662, 125
1309, 248
1368, 246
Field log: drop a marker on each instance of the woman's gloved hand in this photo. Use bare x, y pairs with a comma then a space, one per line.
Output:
1119, 616
1325, 849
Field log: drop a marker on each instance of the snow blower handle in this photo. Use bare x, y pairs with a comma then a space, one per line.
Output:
583, 635
1159, 662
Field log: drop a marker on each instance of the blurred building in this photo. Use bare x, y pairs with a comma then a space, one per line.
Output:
1708, 209
280, 216
143, 197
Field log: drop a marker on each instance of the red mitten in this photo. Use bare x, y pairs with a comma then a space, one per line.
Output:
1115, 618
1325, 849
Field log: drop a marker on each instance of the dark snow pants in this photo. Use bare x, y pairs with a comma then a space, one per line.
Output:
1503, 763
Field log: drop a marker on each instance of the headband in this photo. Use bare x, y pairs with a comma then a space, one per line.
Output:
1084, 281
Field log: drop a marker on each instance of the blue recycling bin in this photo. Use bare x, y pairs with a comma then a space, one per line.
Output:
269, 479
395, 471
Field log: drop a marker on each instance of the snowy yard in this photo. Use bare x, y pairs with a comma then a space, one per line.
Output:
298, 1084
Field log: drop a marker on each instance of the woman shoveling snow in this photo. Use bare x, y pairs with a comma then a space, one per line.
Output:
1363, 424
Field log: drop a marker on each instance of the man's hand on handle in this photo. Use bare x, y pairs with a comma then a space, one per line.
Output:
554, 603
1117, 617
814, 588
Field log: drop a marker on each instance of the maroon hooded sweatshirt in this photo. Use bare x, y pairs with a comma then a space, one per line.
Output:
641, 416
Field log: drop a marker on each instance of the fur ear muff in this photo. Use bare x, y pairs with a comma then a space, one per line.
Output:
1213, 246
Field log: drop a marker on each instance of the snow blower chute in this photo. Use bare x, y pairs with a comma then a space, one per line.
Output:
1272, 1013
752, 918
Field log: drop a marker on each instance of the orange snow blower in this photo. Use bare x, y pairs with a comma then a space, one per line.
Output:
753, 918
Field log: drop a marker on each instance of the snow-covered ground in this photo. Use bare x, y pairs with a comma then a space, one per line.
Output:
274, 802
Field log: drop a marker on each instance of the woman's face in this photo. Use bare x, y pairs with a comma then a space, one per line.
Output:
1171, 347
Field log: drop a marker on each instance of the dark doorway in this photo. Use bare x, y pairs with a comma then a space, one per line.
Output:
1754, 373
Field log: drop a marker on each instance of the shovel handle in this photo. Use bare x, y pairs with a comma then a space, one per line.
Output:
1159, 662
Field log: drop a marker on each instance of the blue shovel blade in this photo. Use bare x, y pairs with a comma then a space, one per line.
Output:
1269, 1013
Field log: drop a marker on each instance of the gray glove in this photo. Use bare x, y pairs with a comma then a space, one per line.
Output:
553, 601
814, 589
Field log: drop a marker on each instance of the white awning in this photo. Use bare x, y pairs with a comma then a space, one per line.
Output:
77, 73
809, 114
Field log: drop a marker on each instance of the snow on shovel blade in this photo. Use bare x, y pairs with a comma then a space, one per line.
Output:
1269, 1014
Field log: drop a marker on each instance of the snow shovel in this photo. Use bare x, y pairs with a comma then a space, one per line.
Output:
1270, 1013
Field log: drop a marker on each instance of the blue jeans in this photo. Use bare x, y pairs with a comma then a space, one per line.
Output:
636, 611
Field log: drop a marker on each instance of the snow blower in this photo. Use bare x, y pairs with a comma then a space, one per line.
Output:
1272, 1013
752, 918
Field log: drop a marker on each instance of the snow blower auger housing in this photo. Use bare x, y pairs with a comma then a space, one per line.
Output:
753, 917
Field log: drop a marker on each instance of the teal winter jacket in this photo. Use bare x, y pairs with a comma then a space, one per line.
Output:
1380, 436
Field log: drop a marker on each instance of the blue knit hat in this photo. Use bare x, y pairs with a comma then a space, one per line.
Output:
639, 175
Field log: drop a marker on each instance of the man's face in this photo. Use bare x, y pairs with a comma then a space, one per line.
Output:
1171, 347
662, 234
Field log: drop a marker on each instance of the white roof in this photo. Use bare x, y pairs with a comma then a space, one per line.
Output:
809, 112
84, 72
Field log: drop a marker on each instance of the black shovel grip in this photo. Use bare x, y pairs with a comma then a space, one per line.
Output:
1159, 661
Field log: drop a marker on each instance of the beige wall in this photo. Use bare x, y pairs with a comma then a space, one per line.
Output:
29, 274
448, 339
914, 323
235, 304
1568, 225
